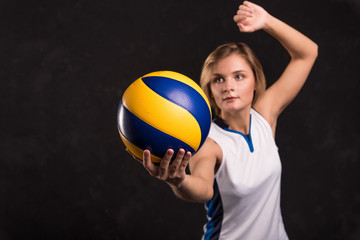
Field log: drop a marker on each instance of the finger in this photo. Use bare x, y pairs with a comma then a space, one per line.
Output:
176, 163
241, 27
245, 28
185, 161
247, 3
244, 13
164, 164
148, 164
245, 8
250, 5
238, 18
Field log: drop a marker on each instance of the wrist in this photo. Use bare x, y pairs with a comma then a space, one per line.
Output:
178, 183
269, 22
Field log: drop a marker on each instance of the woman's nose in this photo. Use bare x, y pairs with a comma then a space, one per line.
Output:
228, 85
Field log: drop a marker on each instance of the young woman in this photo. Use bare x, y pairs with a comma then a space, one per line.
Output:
237, 171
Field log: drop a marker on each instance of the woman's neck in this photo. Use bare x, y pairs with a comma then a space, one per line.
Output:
239, 121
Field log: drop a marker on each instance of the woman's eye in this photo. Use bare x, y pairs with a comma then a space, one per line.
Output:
239, 76
218, 80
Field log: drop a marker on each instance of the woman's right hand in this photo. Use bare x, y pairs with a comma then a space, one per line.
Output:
171, 172
195, 187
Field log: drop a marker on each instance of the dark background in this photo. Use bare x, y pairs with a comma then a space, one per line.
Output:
64, 172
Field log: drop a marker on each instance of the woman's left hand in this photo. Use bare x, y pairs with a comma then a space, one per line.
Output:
250, 17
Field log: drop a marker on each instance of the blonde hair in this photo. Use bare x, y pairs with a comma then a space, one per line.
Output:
222, 52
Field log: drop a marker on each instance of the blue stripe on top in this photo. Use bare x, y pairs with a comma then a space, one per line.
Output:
144, 136
248, 139
215, 214
184, 96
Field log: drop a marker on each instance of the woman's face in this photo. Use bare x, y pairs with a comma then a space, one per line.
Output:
232, 84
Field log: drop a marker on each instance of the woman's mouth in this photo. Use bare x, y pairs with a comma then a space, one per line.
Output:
230, 99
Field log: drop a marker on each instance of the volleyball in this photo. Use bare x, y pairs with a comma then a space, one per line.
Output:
163, 110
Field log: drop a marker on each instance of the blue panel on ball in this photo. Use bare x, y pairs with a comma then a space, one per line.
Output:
145, 136
184, 96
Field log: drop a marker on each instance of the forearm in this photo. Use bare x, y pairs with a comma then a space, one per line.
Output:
298, 45
194, 189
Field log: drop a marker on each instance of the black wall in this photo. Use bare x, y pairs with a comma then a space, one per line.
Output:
64, 172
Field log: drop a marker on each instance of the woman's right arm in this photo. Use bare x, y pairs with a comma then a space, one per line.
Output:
197, 187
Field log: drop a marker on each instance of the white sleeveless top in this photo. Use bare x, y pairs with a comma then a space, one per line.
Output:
246, 201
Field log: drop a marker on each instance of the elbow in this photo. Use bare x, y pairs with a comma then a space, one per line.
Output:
209, 193
208, 197
315, 51
308, 53
312, 52
203, 198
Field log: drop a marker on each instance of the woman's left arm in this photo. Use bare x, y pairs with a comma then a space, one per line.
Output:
303, 52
